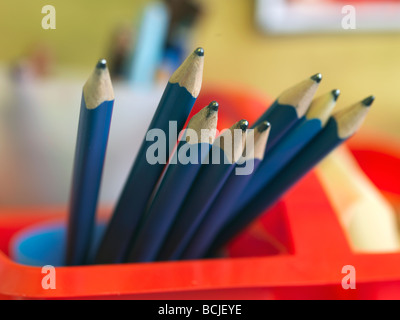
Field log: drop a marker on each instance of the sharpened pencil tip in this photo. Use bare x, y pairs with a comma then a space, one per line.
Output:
335, 94
101, 64
317, 77
243, 124
263, 126
368, 101
199, 51
213, 106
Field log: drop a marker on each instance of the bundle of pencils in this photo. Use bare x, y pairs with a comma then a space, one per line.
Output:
190, 201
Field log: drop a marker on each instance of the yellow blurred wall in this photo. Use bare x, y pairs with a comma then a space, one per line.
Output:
83, 28
357, 64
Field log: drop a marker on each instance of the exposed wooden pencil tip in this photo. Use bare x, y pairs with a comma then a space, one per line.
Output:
199, 51
243, 124
317, 77
263, 126
335, 94
368, 101
98, 88
101, 64
189, 75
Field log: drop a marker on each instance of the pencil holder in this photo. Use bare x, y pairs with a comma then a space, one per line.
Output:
296, 251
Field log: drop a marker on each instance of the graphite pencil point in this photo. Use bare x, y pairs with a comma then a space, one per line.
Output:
102, 64
368, 101
336, 94
317, 77
199, 51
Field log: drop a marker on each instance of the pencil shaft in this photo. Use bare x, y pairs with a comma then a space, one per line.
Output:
218, 214
288, 108
175, 105
164, 208
210, 180
278, 157
282, 118
309, 156
93, 130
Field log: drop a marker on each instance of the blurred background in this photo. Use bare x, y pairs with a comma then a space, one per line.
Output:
255, 46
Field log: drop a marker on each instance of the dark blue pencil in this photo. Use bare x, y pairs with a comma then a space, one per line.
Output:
297, 137
93, 129
224, 153
340, 126
288, 108
221, 209
174, 186
175, 105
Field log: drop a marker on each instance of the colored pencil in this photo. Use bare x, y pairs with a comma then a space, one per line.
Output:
288, 108
224, 153
149, 47
93, 130
221, 209
340, 126
295, 139
368, 219
174, 186
174, 107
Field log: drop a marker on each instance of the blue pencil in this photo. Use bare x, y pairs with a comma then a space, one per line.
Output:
222, 207
288, 108
297, 137
224, 153
94, 125
149, 47
340, 126
175, 105
174, 185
